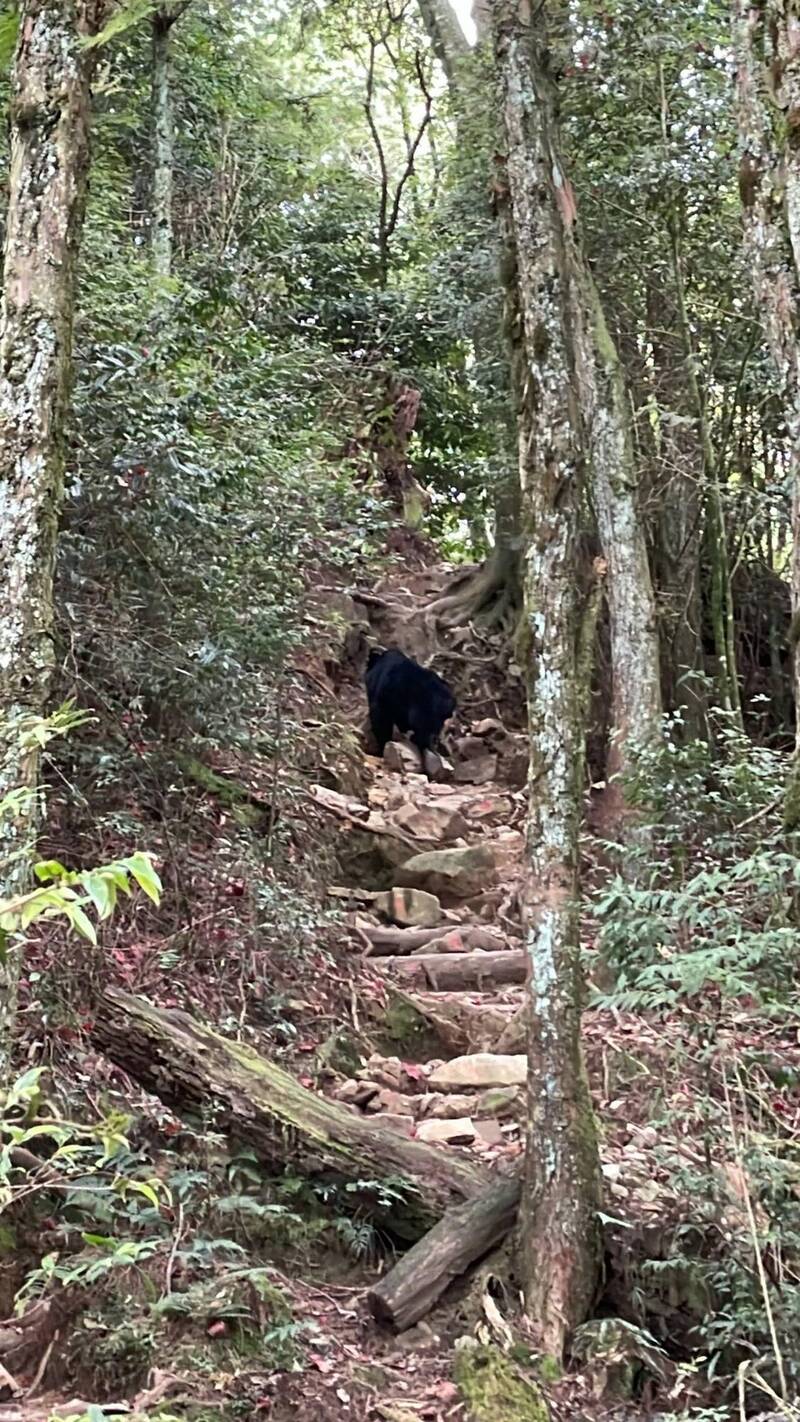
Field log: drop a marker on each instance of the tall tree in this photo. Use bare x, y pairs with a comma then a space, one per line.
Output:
559, 1209
49, 116
163, 137
768, 101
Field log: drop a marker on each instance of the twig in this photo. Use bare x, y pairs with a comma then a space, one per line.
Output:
174, 1250
42, 1368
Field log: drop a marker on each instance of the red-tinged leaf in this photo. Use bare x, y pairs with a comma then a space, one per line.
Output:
218, 1329
414, 1071
322, 1365
306, 1080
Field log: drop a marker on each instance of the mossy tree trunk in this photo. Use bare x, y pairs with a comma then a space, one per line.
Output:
559, 1205
49, 119
768, 103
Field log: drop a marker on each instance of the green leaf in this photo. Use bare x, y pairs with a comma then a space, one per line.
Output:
80, 922
9, 28
141, 867
101, 891
49, 869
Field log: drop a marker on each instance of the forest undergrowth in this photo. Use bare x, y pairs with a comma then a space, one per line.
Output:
178, 1273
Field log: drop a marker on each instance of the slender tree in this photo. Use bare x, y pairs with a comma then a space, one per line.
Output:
162, 25
768, 103
49, 116
559, 1209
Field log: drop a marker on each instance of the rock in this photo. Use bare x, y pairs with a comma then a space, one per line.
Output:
438, 768
490, 1132
402, 757
384, 1071
469, 747
479, 771
388, 1102
493, 1385
481, 1069
357, 1093
403, 1124
490, 727
501, 1101
491, 809
410, 907
458, 872
436, 822
459, 1132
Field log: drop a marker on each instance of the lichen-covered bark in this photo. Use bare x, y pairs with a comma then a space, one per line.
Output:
163, 145
559, 1220
767, 44
49, 110
636, 676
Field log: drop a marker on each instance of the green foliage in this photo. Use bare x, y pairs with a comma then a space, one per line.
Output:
708, 905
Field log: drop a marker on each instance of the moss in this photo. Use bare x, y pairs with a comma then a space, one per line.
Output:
791, 803
493, 1387
236, 798
404, 1025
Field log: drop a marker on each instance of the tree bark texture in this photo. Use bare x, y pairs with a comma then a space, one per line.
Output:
561, 1192
193, 1068
49, 119
163, 143
767, 46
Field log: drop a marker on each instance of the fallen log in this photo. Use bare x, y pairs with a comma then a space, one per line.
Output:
464, 1235
192, 1067
406, 940
453, 972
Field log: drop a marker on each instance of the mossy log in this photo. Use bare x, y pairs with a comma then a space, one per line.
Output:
464, 1235
454, 972
193, 1068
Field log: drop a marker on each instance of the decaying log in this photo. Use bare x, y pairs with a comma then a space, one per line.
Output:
451, 972
192, 1067
463, 1236
408, 940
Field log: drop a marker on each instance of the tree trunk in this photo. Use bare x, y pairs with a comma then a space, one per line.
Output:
561, 1194
163, 144
49, 117
677, 536
636, 673
191, 1067
768, 100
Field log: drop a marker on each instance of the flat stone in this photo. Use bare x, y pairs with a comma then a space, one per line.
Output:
459, 1132
435, 822
481, 1069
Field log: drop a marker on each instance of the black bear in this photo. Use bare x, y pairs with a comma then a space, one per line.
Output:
401, 693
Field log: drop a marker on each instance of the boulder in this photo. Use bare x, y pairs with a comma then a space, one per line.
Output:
458, 872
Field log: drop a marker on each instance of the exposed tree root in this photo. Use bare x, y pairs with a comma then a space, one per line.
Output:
484, 595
